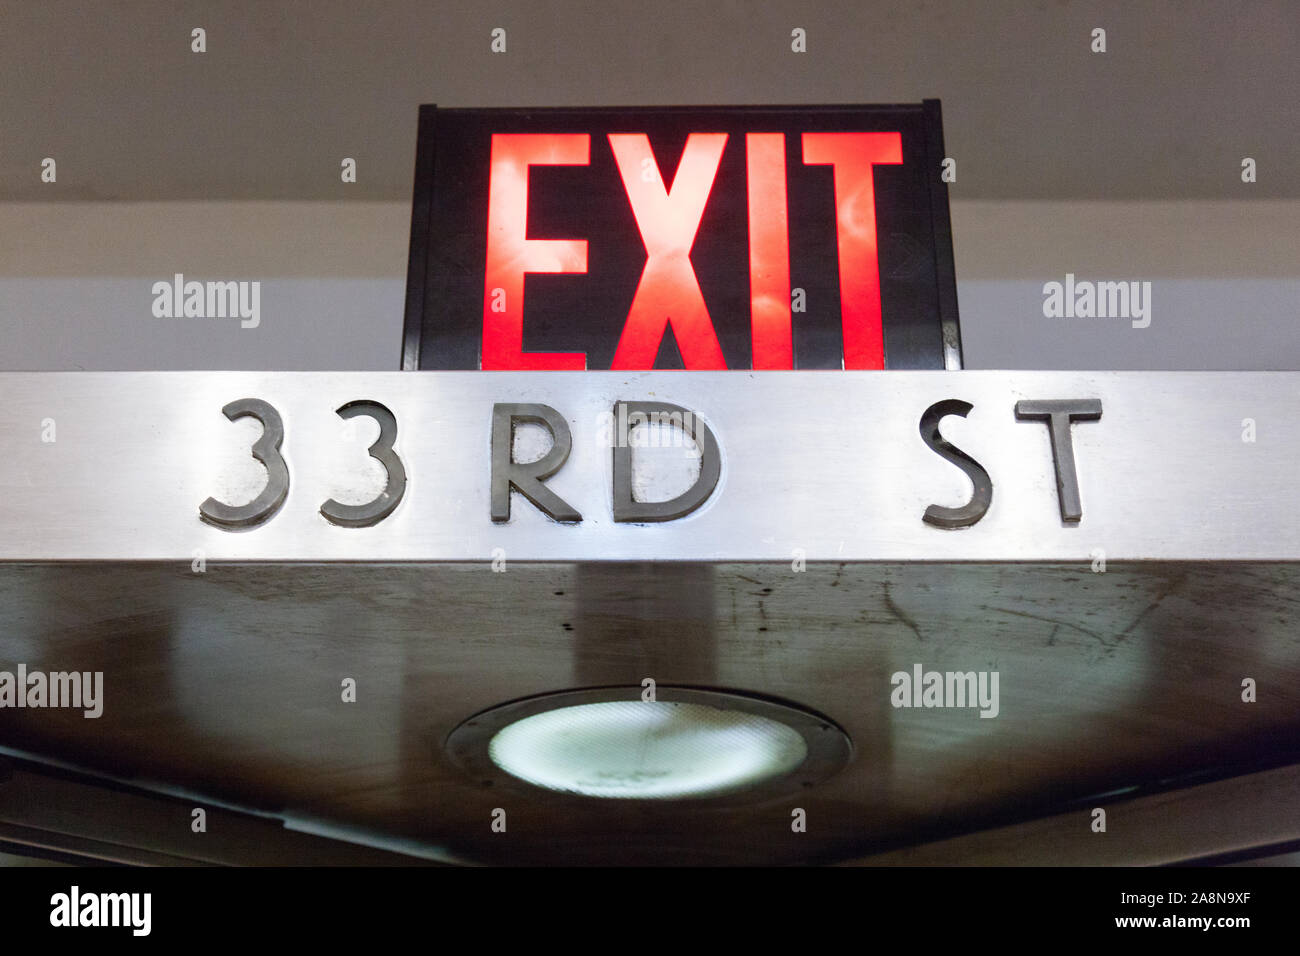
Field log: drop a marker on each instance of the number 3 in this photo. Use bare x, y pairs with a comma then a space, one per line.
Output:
373, 512
266, 450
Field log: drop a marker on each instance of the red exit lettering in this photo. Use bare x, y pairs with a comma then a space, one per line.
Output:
668, 219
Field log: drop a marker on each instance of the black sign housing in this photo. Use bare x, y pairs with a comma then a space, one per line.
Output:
586, 311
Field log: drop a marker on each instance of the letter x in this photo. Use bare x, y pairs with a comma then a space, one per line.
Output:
669, 292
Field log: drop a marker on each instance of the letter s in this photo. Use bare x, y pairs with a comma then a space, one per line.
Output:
971, 512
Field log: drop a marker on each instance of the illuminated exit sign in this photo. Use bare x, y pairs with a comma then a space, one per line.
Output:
681, 238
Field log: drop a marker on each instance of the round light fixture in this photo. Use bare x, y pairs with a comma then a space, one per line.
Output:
686, 744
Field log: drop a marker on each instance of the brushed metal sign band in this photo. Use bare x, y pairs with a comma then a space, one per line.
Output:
795, 466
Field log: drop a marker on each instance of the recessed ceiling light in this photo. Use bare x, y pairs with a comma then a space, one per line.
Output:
687, 744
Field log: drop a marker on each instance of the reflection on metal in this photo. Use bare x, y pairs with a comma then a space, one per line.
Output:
1109, 680
1201, 821
951, 346
808, 575
96, 822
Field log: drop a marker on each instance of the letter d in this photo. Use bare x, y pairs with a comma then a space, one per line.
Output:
626, 508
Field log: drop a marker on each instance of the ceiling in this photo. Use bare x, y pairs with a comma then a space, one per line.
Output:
286, 90
225, 686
